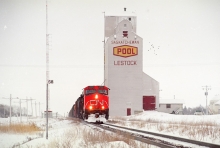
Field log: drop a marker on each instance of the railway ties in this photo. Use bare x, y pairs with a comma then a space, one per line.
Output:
160, 140
130, 135
156, 139
134, 136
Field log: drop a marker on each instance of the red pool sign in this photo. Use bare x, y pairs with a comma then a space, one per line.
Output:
125, 51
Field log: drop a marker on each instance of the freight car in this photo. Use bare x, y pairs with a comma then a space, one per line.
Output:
92, 105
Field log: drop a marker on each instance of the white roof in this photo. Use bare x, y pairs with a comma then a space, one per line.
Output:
171, 101
217, 97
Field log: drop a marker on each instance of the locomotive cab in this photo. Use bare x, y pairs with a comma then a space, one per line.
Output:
96, 102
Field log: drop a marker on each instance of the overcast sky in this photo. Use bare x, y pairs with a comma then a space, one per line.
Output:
181, 41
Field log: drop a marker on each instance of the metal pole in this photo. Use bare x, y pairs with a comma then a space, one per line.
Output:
35, 109
206, 106
10, 109
24, 108
206, 94
47, 113
20, 110
4, 111
40, 113
47, 70
31, 108
104, 48
20, 107
39, 109
27, 108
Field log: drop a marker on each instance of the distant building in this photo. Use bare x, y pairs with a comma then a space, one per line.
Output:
172, 106
131, 90
214, 106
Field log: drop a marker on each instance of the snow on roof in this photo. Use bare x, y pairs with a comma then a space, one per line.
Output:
171, 101
218, 102
217, 97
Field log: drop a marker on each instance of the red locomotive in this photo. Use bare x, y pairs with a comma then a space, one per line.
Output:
93, 102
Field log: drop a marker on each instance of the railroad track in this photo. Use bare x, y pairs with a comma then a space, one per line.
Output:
156, 139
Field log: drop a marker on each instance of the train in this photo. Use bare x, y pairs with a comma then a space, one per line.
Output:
92, 105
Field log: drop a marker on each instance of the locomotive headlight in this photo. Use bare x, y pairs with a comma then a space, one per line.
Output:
90, 107
96, 96
103, 107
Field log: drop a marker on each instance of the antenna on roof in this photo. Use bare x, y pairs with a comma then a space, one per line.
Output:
124, 9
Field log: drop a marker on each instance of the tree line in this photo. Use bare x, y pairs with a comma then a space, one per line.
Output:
15, 111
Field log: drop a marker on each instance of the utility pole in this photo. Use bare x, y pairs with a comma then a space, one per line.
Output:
35, 109
48, 48
31, 107
206, 88
39, 108
4, 111
49, 82
27, 107
20, 109
104, 47
27, 104
10, 105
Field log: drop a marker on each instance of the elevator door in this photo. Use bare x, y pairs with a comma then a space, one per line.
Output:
149, 103
128, 111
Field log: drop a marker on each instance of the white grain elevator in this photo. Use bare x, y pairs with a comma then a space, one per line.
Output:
132, 91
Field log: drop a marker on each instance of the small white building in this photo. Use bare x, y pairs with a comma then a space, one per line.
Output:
173, 106
214, 106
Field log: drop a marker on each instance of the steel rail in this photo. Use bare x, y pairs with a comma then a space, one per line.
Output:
135, 137
199, 143
151, 141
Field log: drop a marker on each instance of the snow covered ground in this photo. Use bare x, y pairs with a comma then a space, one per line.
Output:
197, 127
65, 132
